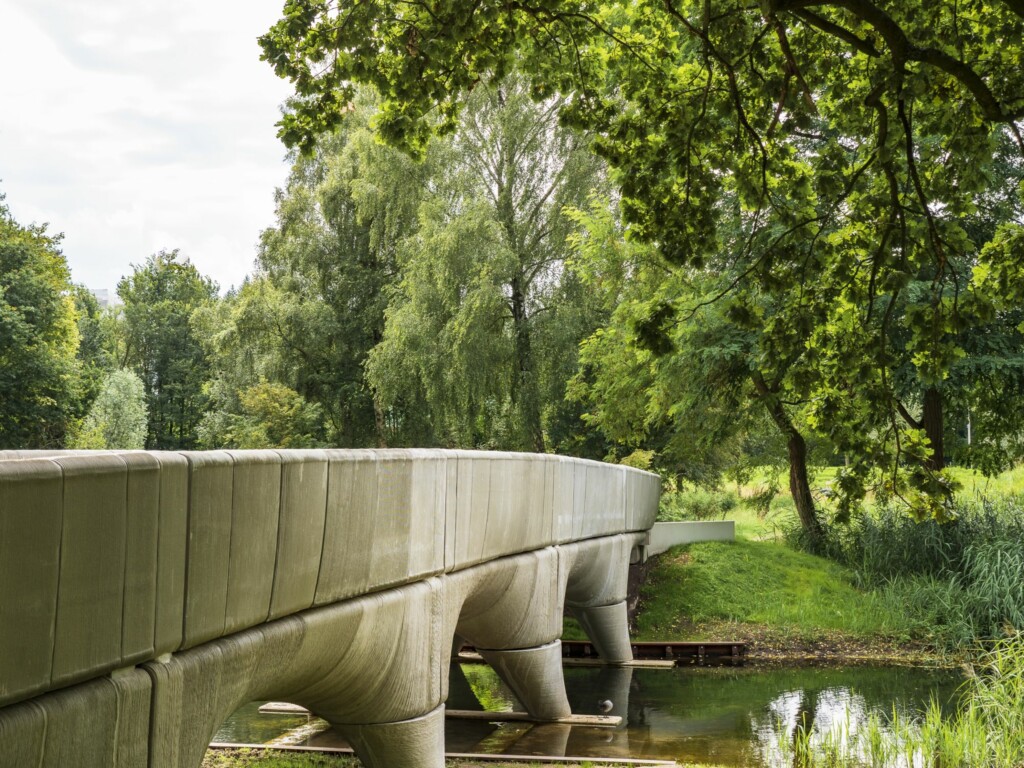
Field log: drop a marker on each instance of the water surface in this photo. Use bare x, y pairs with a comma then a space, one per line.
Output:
727, 716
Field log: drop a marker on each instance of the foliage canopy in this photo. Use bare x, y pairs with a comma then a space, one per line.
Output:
160, 344
39, 373
826, 157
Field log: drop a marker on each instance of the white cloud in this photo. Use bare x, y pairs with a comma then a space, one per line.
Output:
134, 125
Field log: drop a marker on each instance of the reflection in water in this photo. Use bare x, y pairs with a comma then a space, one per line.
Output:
248, 726
726, 716
840, 721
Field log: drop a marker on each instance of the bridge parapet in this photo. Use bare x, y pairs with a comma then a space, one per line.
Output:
112, 560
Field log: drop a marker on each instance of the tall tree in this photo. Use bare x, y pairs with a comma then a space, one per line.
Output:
160, 345
484, 274
855, 135
295, 338
97, 344
39, 373
985, 380
692, 389
324, 271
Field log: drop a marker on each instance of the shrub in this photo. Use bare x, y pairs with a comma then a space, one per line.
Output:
696, 504
117, 418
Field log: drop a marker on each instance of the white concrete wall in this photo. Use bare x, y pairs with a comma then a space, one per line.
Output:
664, 536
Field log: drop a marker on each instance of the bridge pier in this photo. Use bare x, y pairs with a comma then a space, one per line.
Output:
597, 577
510, 610
607, 626
414, 743
535, 676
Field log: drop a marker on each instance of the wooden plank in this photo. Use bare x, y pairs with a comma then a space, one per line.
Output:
281, 747
636, 761
282, 708
678, 643
571, 661
608, 721
646, 649
581, 653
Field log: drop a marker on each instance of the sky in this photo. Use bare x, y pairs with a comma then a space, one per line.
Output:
133, 126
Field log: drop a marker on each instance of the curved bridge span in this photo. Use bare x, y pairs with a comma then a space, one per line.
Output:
144, 596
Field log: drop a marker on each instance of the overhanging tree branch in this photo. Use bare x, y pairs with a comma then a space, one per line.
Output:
826, 26
903, 50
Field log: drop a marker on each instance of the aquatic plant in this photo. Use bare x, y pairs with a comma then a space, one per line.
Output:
986, 732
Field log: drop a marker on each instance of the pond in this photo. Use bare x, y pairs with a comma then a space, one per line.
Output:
726, 716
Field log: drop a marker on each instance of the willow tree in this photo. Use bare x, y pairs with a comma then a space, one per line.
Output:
293, 341
855, 134
482, 314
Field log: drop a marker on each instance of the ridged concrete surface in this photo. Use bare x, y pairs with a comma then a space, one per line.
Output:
147, 595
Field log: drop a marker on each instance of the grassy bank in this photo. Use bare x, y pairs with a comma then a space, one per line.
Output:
785, 604
890, 589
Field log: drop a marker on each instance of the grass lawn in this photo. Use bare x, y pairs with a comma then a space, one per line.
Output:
975, 484
757, 582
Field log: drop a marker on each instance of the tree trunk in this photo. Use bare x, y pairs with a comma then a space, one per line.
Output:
799, 484
932, 423
524, 392
379, 424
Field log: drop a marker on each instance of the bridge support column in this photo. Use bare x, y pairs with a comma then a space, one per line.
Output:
511, 611
597, 576
535, 676
607, 626
415, 743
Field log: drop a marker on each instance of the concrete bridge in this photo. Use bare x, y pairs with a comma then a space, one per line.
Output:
144, 596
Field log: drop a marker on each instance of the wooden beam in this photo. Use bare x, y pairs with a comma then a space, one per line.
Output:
608, 721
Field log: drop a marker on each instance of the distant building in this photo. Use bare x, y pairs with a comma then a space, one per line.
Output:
105, 297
